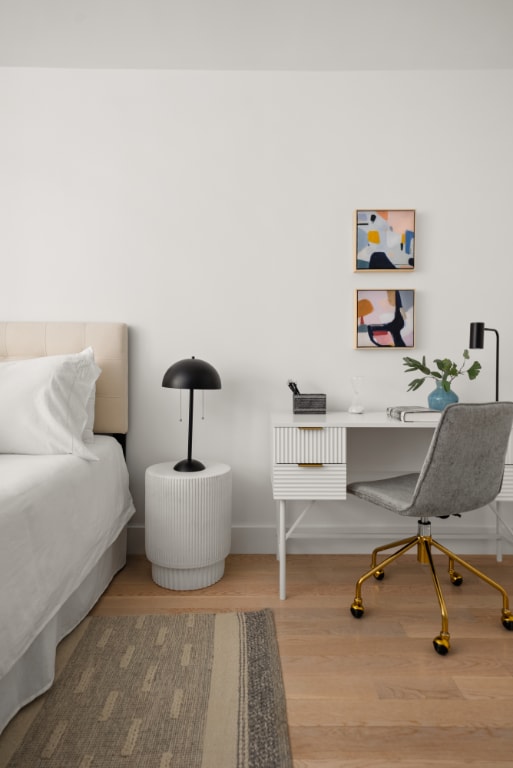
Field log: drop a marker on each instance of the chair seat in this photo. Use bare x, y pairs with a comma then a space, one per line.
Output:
393, 493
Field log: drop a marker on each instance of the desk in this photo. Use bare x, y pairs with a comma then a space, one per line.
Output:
309, 463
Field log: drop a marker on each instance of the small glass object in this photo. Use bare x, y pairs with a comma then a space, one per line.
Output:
357, 386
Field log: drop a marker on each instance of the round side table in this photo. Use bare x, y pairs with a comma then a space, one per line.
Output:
188, 524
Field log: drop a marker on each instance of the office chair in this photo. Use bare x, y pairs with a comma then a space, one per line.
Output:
462, 471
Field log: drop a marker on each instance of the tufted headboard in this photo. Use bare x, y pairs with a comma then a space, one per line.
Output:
19, 340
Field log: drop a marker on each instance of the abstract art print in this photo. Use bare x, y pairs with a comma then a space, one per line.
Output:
385, 319
385, 240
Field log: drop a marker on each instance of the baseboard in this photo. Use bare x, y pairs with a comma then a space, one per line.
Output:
355, 540
348, 540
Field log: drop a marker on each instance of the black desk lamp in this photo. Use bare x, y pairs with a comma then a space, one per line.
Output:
477, 342
191, 374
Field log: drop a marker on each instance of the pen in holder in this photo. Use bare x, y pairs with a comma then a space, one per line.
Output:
309, 403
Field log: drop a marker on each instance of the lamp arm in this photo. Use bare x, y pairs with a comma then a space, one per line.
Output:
496, 362
493, 330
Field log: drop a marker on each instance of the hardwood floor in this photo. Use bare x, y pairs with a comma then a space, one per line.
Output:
369, 692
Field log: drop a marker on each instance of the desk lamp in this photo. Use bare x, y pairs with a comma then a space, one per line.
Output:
477, 342
191, 374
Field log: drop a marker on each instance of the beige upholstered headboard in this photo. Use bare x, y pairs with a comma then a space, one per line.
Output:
19, 340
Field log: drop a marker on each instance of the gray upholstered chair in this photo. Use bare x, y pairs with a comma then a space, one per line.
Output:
462, 471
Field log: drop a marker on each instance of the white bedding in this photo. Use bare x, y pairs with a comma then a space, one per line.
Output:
58, 515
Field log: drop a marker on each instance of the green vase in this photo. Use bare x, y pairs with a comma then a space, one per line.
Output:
439, 398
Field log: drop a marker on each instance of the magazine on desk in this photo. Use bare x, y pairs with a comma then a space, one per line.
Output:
413, 413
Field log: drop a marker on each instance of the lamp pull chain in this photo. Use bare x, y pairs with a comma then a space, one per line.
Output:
181, 419
203, 405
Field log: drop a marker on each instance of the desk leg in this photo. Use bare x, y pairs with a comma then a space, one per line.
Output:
282, 549
498, 537
278, 530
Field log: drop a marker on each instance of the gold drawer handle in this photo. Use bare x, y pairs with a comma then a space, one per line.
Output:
311, 428
310, 464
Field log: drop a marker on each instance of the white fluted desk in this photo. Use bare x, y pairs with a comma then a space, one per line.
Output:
188, 524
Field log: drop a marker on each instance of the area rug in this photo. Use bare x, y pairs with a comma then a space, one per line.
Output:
168, 691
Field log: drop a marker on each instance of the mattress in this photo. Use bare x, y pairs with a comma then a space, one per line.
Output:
58, 516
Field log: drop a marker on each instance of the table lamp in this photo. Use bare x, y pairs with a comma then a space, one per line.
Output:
477, 331
191, 374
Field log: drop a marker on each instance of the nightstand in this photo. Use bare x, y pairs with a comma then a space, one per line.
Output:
188, 524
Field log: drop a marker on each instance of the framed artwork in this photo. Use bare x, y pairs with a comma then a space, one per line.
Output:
384, 240
385, 319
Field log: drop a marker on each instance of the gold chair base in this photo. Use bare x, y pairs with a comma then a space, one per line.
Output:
424, 543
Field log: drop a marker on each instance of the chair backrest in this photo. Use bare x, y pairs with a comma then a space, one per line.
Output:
465, 463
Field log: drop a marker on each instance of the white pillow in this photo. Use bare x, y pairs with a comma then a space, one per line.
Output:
43, 404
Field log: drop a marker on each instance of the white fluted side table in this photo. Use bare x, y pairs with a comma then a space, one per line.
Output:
188, 524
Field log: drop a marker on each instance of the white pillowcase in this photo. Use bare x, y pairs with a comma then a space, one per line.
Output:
44, 404
88, 434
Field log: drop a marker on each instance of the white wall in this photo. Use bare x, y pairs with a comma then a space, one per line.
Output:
213, 212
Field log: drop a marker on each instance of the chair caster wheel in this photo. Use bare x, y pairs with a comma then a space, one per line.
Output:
507, 621
441, 645
456, 579
357, 609
379, 575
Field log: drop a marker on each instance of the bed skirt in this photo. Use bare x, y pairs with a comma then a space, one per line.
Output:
35, 671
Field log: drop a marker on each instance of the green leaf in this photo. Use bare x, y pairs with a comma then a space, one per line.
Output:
444, 365
474, 370
466, 355
415, 384
415, 365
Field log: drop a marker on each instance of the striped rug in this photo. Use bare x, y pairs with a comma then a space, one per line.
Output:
167, 691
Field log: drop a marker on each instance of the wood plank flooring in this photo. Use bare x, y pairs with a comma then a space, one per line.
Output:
369, 692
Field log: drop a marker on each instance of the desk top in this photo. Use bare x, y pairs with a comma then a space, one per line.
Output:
370, 419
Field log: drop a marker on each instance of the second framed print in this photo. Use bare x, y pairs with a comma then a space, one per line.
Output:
385, 319
384, 240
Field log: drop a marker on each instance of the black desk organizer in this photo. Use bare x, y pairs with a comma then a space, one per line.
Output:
309, 403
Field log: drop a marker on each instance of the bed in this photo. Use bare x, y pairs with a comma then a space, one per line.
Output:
64, 494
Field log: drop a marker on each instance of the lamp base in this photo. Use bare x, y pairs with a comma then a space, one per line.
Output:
189, 465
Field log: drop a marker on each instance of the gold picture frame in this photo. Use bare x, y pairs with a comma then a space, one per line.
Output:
385, 318
384, 240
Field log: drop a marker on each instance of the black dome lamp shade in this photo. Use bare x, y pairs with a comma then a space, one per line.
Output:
191, 374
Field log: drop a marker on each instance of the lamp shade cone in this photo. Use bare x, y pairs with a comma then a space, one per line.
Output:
477, 335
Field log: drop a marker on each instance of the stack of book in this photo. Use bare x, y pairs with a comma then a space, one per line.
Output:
413, 413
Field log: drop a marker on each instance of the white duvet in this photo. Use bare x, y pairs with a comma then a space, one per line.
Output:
58, 515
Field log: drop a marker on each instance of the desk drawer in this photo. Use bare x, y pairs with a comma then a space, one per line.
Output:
326, 481
309, 445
